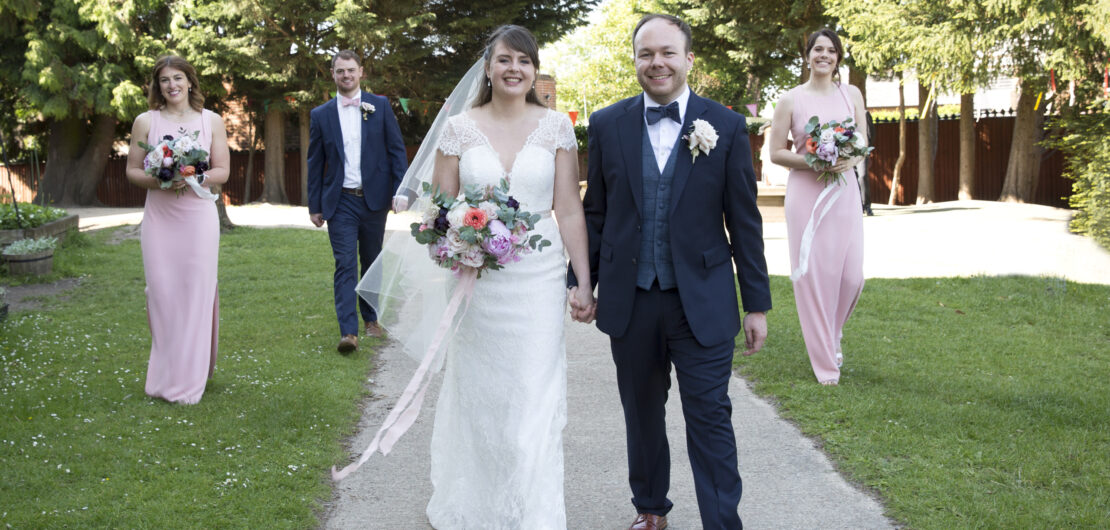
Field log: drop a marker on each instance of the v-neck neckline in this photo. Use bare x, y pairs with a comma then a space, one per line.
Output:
516, 155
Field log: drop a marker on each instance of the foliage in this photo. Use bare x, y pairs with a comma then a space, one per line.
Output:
755, 48
1081, 137
30, 215
83, 447
594, 65
981, 405
22, 247
580, 134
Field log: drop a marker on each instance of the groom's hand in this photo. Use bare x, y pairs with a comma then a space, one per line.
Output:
317, 219
755, 332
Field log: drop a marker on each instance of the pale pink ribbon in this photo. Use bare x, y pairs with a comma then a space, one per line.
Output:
406, 410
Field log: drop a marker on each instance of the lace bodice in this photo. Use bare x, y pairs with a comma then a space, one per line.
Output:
531, 176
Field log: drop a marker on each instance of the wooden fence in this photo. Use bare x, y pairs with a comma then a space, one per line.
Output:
992, 153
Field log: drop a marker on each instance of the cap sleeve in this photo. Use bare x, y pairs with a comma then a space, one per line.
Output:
565, 138
450, 143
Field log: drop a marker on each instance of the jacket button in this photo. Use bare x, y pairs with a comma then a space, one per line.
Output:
633, 261
637, 228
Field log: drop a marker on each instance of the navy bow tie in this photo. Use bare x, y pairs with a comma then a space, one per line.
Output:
654, 114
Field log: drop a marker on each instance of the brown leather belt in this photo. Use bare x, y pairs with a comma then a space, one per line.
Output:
357, 192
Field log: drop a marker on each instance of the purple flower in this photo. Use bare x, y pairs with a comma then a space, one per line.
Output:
165, 174
441, 223
202, 166
511, 203
168, 138
499, 243
828, 152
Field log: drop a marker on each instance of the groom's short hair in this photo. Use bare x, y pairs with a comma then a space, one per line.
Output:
348, 55
678, 22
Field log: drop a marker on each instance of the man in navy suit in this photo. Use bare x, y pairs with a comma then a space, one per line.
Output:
356, 159
662, 262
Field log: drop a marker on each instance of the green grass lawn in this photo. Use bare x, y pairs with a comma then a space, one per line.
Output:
965, 402
82, 446
977, 402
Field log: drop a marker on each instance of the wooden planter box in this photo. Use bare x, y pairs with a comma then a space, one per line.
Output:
57, 228
37, 264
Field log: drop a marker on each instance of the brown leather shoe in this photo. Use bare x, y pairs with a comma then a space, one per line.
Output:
374, 330
348, 344
649, 521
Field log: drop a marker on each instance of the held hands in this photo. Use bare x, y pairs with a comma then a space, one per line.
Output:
583, 307
755, 332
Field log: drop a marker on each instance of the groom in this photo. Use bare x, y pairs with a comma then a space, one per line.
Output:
356, 159
663, 266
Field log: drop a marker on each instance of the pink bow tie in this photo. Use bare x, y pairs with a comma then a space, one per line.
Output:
349, 102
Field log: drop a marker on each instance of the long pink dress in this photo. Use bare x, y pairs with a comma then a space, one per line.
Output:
828, 281
180, 243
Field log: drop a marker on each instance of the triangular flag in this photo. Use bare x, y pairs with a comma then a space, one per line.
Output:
404, 104
573, 117
752, 108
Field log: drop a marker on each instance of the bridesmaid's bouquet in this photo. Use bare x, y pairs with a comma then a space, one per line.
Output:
828, 142
172, 159
485, 229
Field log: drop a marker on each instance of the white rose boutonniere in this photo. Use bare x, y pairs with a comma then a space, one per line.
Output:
701, 139
367, 110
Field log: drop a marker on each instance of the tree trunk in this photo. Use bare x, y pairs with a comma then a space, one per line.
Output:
273, 185
76, 155
249, 177
926, 146
858, 78
967, 147
221, 211
304, 118
1024, 165
901, 141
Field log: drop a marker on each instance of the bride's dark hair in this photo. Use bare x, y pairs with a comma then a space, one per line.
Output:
517, 39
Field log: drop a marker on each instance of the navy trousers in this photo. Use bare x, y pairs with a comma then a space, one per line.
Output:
657, 338
356, 234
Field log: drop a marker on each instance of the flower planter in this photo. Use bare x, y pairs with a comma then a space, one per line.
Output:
57, 228
37, 264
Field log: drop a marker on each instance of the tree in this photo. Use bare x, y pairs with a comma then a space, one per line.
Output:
82, 69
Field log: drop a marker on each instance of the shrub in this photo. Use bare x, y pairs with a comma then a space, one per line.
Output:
32, 215
580, 135
1082, 139
30, 246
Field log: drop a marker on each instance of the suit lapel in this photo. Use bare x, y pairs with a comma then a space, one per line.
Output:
695, 107
336, 128
631, 127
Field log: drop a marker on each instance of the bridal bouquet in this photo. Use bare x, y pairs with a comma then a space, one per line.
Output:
485, 229
172, 159
828, 142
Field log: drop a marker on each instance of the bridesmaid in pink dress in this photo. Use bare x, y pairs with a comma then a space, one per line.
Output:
823, 223
180, 237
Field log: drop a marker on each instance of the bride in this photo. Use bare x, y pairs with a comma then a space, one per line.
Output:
497, 450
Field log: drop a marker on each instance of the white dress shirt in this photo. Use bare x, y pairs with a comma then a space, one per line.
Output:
664, 132
350, 124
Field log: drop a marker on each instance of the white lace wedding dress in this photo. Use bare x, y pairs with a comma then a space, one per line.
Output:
497, 446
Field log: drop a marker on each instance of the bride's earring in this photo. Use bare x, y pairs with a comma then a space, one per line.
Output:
488, 82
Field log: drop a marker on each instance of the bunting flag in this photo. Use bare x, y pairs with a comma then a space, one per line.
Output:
1052, 80
404, 104
729, 107
1106, 83
752, 108
573, 117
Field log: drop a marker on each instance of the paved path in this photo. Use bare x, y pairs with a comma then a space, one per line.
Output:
788, 482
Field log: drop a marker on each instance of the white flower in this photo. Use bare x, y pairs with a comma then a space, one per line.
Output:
457, 213
430, 214
702, 138
858, 141
489, 208
455, 243
473, 257
827, 136
367, 109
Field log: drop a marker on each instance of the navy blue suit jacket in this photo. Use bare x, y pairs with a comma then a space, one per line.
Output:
709, 195
383, 158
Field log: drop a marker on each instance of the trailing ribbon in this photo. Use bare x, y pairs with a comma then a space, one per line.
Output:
811, 229
201, 192
406, 410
